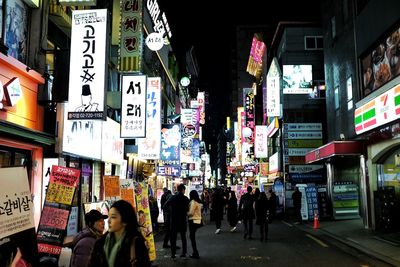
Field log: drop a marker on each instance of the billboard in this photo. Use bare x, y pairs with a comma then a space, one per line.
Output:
297, 79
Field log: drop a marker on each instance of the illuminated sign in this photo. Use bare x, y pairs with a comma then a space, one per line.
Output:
159, 19
13, 91
297, 79
154, 41
87, 74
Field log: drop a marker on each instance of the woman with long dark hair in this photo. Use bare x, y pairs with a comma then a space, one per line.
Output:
194, 215
123, 245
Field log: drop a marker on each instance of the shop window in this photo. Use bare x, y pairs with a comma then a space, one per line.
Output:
389, 172
313, 42
16, 29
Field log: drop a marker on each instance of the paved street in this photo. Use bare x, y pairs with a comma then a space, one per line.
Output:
287, 246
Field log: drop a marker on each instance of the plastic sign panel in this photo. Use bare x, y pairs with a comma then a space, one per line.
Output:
133, 107
149, 147
170, 144
112, 146
261, 142
88, 65
273, 90
297, 79
16, 207
13, 91
154, 41
131, 40
383, 109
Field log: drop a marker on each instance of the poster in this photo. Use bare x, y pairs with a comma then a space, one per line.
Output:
56, 212
17, 229
128, 191
111, 187
144, 218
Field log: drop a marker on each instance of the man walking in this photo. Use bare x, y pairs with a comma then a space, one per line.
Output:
178, 205
246, 211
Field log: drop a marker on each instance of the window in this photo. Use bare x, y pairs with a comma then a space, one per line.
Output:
349, 86
16, 29
336, 98
333, 27
313, 42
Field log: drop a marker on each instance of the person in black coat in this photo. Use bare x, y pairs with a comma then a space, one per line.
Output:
246, 211
178, 206
123, 245
262, 206
217, 208
166, 215
232, 210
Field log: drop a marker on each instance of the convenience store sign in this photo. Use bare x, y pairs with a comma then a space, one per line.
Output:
379, 111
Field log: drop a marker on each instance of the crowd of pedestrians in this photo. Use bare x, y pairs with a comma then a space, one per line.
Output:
124, 245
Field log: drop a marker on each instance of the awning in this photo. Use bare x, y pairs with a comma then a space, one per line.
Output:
335, 148
11, 130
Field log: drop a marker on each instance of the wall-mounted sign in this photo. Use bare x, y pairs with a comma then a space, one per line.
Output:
133, 107
297, 79
112, 146
88, 64
261, 142
169, 171
77, 2
379, 111
131, 40
170, 144
185, 81
274, 163
154, 41
149, 147
13, 91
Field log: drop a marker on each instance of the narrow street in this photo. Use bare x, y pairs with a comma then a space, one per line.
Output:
287, 246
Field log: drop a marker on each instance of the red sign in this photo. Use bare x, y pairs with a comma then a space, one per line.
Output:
64, 175
55, 218
334, 148
50, 249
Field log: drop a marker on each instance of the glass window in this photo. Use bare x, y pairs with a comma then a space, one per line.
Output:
336, 98
349, 86
16, 30
320, 42
5, 158
389, 171
310, 43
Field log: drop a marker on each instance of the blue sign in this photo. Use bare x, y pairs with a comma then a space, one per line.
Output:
312, 201
169, 171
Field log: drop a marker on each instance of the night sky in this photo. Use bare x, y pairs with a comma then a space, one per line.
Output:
210, 27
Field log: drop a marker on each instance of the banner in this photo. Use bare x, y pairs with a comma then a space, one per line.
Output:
133, 107
88, 65
170, 144
261, 142
149, 147
144, 218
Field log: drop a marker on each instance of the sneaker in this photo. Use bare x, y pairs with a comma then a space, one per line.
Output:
233, 229
218, 231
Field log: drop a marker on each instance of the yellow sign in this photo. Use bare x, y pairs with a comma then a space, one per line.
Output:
60, 193
144, 218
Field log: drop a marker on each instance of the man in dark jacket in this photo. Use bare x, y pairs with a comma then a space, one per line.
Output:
166, 215
246, 211
83, 243
178, 205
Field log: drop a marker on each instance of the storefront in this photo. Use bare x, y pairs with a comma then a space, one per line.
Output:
21, 124
346, 178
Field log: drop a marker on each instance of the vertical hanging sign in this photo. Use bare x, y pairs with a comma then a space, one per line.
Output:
88, 64
133, 108
131, 40
149, 147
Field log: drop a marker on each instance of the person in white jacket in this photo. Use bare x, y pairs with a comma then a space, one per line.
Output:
195, 221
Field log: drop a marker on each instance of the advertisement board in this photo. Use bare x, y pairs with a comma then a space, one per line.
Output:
297, 79
274, 90
112, 146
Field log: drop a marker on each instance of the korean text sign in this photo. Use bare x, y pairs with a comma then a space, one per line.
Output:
149, 147
87, 74
133, 107
16, 207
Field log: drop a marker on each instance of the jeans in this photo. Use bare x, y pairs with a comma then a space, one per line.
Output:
192, 234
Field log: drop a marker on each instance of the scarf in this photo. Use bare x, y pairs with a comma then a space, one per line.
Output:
111, 248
